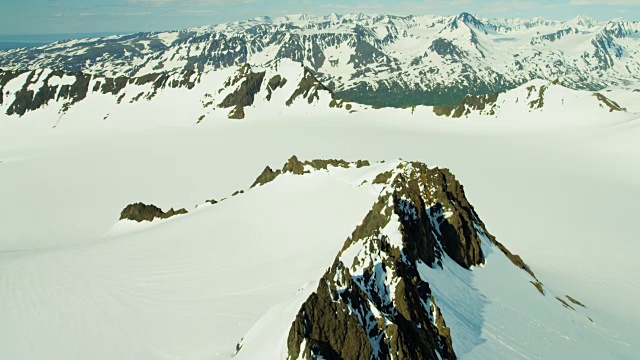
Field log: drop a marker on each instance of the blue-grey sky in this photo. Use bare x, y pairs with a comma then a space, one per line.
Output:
85, 16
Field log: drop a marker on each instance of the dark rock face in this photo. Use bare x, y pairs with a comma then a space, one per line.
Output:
395, 94
606, 49
113, 86
267, 176
365, 53
27, 99
444, 47
537, 103
294, 166
275, 83
141, 212
5, 77
309, 88
612, 105
468, 104
373, 303
245, 94
445, 213
553, 36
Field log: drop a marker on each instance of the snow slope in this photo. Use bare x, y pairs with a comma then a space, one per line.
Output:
185, 288
559, 193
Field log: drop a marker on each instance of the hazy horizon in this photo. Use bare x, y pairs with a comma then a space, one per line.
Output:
54, 17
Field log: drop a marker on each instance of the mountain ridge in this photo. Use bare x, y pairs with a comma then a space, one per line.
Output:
280, 86
380, 60
285, 88
379, 299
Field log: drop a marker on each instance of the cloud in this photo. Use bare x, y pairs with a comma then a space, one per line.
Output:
54, 4
606, 2
186, 3
403, 7
138, 13
514, 5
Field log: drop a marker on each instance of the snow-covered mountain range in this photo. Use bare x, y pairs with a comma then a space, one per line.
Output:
283, 89
55, 97
381, 60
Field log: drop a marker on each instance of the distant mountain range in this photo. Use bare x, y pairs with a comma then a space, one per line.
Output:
7, 45
381, 60
8, 42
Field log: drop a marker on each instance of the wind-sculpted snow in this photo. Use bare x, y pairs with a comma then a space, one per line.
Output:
381, 60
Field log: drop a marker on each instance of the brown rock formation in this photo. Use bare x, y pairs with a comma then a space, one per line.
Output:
141, 212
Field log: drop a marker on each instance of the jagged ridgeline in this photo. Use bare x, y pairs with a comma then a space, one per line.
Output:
375, 301
28, 91
40, 87
380, 60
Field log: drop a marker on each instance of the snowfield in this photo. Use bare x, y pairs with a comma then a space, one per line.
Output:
75, 283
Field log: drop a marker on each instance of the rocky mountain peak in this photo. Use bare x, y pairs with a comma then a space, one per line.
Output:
469, 19
395, 288
375, 302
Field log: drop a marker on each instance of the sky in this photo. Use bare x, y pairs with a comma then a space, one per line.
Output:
117, 16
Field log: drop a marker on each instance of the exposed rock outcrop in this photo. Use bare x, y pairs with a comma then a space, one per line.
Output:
575, 302
537, 103
275, 83
266, 176
297, 167
245, 94
142, 212
309, 88
44, 86
612, 105
468, 104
